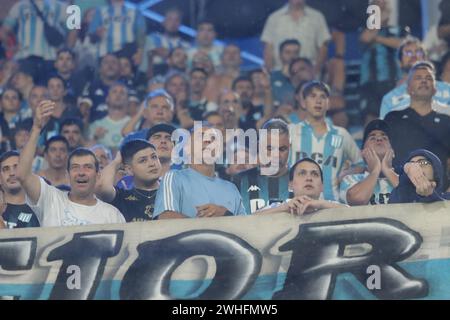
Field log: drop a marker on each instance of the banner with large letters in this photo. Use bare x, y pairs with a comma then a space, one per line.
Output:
371, 252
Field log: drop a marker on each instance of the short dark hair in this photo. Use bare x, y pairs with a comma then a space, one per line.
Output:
421, 65
55, 76
11, 89
71, 121
8, 154
239, 79
253, 71
23, 125
55, 139
67, 50
129, 149
288, 42
198, 70
172, 51
206, 21
81, 152
174, 9
292, 169
319, 85
211, 113
297, 60
100, 59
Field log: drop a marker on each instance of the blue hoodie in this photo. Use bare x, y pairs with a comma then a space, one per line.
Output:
405, 192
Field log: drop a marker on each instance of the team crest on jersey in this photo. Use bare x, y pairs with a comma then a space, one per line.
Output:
149, 211
25, 217
131, 198
253, 188
336, 141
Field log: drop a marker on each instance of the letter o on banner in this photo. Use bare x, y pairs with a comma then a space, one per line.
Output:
238, 265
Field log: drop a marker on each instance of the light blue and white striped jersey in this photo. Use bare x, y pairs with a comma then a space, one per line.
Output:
183, 190
122, 26
399, 99
30, 28
380, 194
160, 40
330, 151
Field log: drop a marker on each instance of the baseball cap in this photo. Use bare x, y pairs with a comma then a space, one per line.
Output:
162, 127
376, 124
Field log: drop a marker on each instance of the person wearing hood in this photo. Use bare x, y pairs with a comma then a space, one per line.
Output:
421, 179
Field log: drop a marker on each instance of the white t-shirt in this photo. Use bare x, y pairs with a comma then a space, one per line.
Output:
55, 209
311, 30
113, 136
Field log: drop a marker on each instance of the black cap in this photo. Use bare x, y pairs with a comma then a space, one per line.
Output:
162, 127
376, 124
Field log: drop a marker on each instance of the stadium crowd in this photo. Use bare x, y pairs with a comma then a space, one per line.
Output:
90, 118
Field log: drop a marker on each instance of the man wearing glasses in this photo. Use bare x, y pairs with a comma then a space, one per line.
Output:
411, 51
376, 183
422, 179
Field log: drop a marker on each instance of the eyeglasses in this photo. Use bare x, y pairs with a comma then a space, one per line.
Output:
418, 53
422, 162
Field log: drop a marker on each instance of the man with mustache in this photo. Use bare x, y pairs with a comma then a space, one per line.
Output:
419, 126
54, 207
410, 52
13, 209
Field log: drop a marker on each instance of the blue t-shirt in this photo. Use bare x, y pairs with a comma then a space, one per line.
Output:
183, 190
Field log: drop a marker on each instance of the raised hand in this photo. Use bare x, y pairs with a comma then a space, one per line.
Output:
43, 113
372, 160
386, 163
425, 187
414, 172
